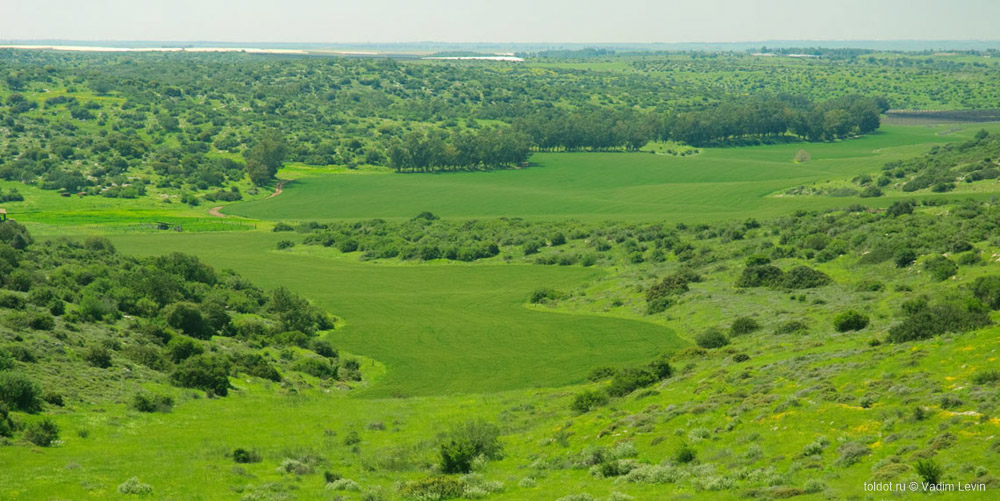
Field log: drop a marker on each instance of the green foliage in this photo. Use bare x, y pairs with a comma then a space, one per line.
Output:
133, 486
246, 456
850, 320
589, 400
19, 392
149, 402
98, 356
987, 290
42, 432
187, 318
929, 471
940, 268
711, 338
206, 372
439, 487
543, 295
467, 442
630, 379
923, 321
760, 276
685, 454
743, 325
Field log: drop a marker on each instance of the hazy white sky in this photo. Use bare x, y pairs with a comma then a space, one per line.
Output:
499, 21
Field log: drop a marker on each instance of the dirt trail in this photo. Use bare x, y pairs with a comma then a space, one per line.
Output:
215, 211
278, 189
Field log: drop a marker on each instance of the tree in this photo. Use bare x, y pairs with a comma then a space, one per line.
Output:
265, 158
850, 320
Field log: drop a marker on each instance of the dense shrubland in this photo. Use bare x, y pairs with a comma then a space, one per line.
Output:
118, 125
88, 312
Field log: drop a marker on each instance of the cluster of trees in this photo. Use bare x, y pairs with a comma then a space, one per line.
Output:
730, 122
485, 149
166, 314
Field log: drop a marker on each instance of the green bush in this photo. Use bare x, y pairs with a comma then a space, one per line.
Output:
205, 372
42, 432
7, 425
940, 268
589, 400
711, 338
468, 441
543, 295
792, 327
19, 392
630, 379
929, 471
181, 348
439, 487
803, 277
987, 289
316, 367
923, 322
98, 356
904, 258
850, 320
187, 318
148, 402
245, 456
285, 244
133, 486
760, 276
743, 325
601, 373
685, 454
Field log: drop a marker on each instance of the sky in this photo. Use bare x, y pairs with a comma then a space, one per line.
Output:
499, 21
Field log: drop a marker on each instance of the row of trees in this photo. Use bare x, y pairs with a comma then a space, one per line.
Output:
485, 149
730, 122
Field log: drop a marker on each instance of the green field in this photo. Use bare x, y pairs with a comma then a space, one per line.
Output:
440, 329
717, 184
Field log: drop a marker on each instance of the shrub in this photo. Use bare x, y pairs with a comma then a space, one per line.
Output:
850, 320
7, 425
743, 325
741, 357
904, 258
601, 373
987, 377
439, 487
42, 432
987, 289
851, 453
181, 348
148, 402
923, 322
316, 367
295, 467
134, 486
187, 318
804, 277
323, 348
661, 367
285, 244
588, 400
760, 276
685, 454
467, 442
245, 456
98, 356
282, 226
543, 295
205, 372
630, 379
792, 327
711, 338
940, 268
19, 392
343, 484
929, 471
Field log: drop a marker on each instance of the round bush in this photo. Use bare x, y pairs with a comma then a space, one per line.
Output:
19, 392
711, 338
850, 320
743, 325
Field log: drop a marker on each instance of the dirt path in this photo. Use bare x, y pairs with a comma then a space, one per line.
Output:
278, 189
215, 211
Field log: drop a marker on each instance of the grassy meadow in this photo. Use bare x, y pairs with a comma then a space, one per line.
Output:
714, 185
771, 415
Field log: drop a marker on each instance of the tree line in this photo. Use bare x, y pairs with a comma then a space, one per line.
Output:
436, 152
731, 122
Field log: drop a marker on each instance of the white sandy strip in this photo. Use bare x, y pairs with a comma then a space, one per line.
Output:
480, 58
80, 48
